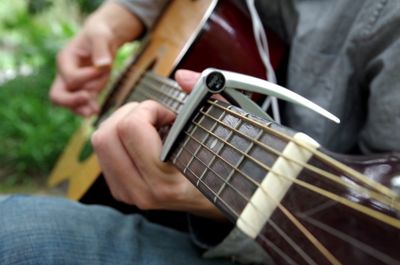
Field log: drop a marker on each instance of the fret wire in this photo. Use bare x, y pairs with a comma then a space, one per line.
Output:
213, 171
155, 88
237, 191
229, 177
133, 96
262, 237
222, 145
340, 199
174, 99
209, 164
198, 147
239, 151
155, 98
206, 136
174, 160
370, 182
148, 95
213, 159
318, 171
216, 174
155, 77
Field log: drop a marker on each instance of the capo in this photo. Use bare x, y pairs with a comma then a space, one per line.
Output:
226, 83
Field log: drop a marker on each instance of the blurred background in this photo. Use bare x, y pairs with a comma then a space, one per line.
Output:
33, 133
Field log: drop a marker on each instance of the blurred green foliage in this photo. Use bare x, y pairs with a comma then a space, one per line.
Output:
32, 131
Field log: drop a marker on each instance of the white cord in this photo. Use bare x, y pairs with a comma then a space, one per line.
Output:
263, 50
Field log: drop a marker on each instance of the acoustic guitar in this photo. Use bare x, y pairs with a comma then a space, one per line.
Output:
300, 202
303, 204
189, 34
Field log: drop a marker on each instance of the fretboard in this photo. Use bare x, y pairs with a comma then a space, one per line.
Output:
161, 89
150, 86
280, 189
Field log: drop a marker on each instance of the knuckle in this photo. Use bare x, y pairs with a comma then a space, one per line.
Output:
144, 204
168, 193
126, 127
149, 105
98, 139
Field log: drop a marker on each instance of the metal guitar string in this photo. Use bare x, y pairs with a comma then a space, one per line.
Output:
263, 50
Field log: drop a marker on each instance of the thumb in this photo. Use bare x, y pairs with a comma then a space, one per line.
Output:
186, 79
101, 52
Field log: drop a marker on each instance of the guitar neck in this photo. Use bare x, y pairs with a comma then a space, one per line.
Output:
163, 90
280, 188
256, 172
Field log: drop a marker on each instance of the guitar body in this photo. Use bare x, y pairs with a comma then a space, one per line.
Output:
350, 236
190, 34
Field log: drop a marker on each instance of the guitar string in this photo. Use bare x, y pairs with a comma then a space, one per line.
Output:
357, 243
368, 211
330, 195
326, 174
207, 168
154, 97
236, 215
175, 98
393, 203
370, 182
299, 226
153, 87
362, 248
225, 181
354, 186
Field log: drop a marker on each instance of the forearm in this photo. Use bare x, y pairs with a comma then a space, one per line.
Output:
123, 24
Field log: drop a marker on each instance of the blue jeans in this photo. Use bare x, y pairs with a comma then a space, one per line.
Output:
42, 230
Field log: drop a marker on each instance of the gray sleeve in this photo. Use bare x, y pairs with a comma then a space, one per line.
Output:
222, 240
239, 248
146, 10
382, 127
381, 132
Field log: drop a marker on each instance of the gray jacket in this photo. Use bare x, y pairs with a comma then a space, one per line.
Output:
345, 56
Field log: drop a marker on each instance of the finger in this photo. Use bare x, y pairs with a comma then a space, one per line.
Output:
120, 171
59, 95
101, 52
71, 68
186, 79
139, 135
87, 109
96, 85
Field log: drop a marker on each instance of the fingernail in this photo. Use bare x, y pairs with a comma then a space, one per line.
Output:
101, 62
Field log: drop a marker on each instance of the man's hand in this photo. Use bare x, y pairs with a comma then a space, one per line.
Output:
128, 147
84, 64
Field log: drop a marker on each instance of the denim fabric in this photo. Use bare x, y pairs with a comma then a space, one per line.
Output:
42, 230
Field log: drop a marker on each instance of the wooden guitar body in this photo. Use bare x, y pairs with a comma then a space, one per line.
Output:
190, 34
